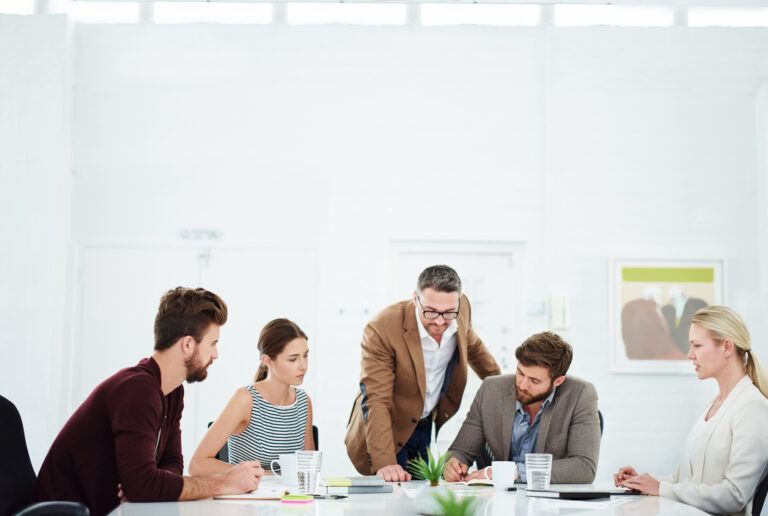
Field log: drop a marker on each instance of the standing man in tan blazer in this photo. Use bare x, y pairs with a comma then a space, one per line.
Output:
413, 373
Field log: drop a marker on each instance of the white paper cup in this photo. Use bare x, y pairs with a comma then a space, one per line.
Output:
504, 473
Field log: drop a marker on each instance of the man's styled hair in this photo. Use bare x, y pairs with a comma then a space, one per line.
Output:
546, 349
439, 277
186, 311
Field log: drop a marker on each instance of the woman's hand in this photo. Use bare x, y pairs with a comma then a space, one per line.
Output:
623, 474
644, 483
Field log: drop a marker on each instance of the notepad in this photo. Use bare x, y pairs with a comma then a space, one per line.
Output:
289, 498
474, 482
263, 493
480, 482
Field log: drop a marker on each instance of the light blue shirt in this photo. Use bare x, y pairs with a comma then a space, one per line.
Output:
525, 434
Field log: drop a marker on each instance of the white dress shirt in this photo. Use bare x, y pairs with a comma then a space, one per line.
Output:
436, 360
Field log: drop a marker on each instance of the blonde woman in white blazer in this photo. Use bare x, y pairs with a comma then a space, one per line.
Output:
726, 453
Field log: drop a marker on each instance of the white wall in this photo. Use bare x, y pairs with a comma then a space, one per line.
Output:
582, 143
761, 124
35, 208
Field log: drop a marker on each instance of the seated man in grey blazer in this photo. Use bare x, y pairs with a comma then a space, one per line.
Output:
537, 410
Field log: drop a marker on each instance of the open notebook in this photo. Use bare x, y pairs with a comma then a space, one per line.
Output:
270, 488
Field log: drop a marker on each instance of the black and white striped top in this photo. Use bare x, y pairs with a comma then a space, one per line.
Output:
273, 429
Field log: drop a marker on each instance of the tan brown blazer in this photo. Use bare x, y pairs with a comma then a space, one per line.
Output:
393, 383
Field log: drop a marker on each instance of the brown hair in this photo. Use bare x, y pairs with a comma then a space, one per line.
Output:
185, 311
272, 340
546, 349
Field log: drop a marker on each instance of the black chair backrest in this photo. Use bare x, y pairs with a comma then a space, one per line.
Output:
600, 415
759, 499
223, 454
17, 478
485, 458
315, 436
56, 509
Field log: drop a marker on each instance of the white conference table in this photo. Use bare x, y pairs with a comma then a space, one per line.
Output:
416, 498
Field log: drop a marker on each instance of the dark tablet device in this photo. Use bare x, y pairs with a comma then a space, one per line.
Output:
569, 495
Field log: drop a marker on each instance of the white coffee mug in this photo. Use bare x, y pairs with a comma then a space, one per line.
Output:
504, 473
286, 462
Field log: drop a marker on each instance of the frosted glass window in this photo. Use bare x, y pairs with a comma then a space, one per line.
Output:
17, 6
205, 12
728, 16
352, 13
480, 14
624, 15
104, 12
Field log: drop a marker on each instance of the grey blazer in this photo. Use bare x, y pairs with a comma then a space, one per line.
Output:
569, 428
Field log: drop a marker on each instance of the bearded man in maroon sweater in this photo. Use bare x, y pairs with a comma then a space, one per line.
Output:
124, 442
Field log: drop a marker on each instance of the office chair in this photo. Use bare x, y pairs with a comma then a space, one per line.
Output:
600, 415
16, 474
223, 454
759, 499
485, 458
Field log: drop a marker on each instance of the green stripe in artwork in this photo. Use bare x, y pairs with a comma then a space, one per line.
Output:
671, 274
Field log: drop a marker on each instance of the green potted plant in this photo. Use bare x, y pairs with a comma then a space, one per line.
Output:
451, 505
428, 470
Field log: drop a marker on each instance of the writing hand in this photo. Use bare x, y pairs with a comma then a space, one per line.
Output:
455, 470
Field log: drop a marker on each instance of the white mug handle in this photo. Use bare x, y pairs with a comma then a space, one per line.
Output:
272, 467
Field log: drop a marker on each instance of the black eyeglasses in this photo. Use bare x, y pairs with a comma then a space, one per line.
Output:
431, 314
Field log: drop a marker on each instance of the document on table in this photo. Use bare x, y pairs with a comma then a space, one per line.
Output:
270, 488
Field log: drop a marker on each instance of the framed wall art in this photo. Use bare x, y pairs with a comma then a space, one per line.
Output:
651, 305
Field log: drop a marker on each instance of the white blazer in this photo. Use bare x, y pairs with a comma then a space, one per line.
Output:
730, 459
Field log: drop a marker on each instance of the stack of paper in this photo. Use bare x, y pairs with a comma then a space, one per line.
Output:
357, 485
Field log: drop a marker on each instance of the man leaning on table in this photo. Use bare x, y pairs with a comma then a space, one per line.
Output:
537, 410
413, 373
124, 442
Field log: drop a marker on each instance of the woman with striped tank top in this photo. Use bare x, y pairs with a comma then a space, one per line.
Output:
270, 416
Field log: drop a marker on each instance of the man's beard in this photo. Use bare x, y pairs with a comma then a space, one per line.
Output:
534, 399
195, 371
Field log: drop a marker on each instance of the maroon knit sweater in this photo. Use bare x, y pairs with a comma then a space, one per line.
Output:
126, 432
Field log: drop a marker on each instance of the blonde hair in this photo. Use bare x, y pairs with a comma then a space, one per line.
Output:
724, 323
